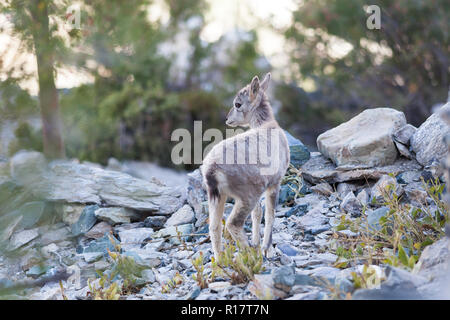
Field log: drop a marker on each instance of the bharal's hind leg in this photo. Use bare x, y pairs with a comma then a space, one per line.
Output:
256, 223
236, 220
269, 216
216, 208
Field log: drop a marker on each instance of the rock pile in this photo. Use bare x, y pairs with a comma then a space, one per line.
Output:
66, 215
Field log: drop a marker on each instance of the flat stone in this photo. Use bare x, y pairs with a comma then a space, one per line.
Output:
348, 233
326, 274
69, 181
409, 177
263, 288
99, 230
283, 278
101, 265
37, 271
365, 141
115, 215
313, 219
90, 257
55, 236
312, 295
399, 285
172, 233
21, 238
297, 210
130, 239
397, 276
287, 249
146, 258
318, 229
86, 220
183, 215
327, 257
319, 169
219, 286
101, 245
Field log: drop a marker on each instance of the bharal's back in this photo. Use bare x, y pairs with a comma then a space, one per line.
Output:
245, 166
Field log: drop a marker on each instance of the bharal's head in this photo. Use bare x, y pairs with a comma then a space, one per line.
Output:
246, 101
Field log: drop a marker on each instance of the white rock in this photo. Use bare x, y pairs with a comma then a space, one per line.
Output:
219, 286
69, 181
183, 215
21, 238
314, 218
115, 215
365, 141
133, 238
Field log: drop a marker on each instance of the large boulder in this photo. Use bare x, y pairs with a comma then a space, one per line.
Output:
428, 141
72, 182
320, 169
365, 141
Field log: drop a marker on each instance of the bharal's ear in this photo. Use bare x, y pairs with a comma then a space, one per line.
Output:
254, 86
265, 83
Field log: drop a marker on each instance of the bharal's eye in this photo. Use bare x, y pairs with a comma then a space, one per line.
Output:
237, 105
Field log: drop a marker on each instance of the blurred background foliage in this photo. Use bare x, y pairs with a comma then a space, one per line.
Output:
150, 77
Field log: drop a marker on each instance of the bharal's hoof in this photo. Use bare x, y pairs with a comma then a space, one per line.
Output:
268, 252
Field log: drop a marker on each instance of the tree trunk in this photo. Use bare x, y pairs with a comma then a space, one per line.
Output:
48, 95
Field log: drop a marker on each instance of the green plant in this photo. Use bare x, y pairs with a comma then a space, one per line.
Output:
241, 265
172, 283
128, 270
200, 277
294, 176
123, 268
403, 232
106, 289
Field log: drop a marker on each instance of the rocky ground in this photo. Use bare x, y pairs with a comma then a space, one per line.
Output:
76, 230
